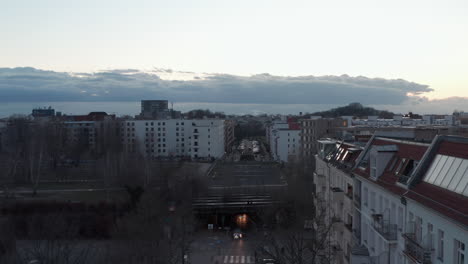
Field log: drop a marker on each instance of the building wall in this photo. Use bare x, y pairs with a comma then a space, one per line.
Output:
287, 145
331, 191
284, 142
376, 200
314, 129
229, 136
83, 132
451, 231
175, 137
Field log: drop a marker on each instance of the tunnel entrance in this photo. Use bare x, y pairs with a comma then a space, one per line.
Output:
230, 220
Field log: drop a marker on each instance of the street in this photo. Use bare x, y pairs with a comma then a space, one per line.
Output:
219, 248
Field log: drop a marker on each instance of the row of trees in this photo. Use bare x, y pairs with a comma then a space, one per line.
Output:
155, 229
306, 237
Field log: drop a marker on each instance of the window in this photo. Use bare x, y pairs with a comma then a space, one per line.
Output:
372, 201
440, 245
397, 171
430, 229
459, 248
419, 225
408, 168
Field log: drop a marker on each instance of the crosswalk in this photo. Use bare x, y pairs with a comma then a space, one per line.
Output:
234, 259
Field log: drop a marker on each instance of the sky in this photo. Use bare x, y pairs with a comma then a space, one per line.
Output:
422, 42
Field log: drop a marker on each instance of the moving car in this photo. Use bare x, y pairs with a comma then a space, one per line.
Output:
237, 234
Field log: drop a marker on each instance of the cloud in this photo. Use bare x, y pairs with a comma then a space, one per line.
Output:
30, 84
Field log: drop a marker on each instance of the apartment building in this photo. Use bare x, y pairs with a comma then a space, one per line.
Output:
83, 129
157, 109
436, 201
175, 137
229, 136
382, 165
425, 120
314, 128
284, 140
334, 193
413, 201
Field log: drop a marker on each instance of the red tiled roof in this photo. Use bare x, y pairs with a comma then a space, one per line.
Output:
405, 150
454, 149
444, 201
450, 204
294, 126
388, 179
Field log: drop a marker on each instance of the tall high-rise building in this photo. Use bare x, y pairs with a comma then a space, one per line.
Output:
157, 109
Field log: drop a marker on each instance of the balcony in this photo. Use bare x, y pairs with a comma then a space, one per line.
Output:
417, 249
384, 228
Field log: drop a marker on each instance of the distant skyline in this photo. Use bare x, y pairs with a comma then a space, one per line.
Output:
420, 41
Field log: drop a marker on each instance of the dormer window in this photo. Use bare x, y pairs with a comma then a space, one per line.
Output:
405, 170
410, 165
400, 165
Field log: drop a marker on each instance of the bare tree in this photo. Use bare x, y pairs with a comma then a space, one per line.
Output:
300, 246
53, 239
306, 237
156, 232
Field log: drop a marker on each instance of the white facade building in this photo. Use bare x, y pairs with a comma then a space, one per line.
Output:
437, 205
411, 201
284, 139
426, 120
175, 137
334, 194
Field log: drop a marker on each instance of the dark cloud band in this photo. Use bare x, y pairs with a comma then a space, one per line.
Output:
29, 84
